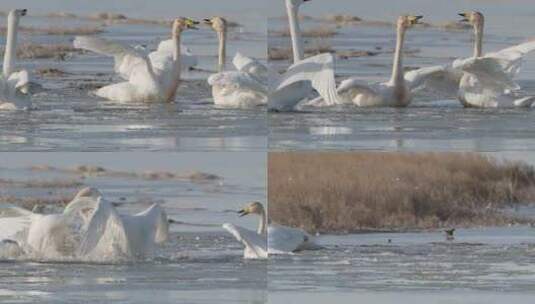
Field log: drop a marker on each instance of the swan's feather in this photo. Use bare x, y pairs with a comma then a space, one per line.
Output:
493, 71
162, 58
319, 71
440, 77
254, 67
237, 89
14, 221
255, 244
130, 64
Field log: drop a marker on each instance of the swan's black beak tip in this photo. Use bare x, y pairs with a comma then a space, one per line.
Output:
24, 12
242, 213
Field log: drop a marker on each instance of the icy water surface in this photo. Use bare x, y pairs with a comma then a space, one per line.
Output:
479, 266
69, 118
200, 263
430, 122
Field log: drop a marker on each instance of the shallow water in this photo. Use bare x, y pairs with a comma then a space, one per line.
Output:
430, 122
68, 118
419, 267
200, 263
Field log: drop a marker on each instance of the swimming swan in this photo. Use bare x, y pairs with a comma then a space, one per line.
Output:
110, 234
397, 92
152, 77
280, 239
483, 80
234, 89
296, 84
14, 86
46, 235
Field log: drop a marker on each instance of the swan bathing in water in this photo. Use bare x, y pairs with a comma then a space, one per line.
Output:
484, 80
152, 77
89, 228
14, 86
269, 239
243, 88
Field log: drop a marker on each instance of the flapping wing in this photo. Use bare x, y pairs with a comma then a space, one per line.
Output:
105, 232
513, 56
255, 243
20, 81
441, 80
156, 216
493, 71
13, 220
255, 67
319, 71
127, 59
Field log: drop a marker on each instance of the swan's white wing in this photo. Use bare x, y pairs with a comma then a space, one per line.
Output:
319, 71
513, 56
283, 239
234, 80
255, 244
14, 220
20, 81
441, 80
492, 71
157, 218
162, 58
256, 68
105, 232
130, 64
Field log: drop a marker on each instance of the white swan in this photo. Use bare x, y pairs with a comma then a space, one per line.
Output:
103, 234
269, 239
234, 89
110, 234
46, 235
397, 92
316, 72
152, 77
483, 80
14, 86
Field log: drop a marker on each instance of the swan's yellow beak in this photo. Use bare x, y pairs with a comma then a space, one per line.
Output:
415, 19
465, 17
243, 212
191, 24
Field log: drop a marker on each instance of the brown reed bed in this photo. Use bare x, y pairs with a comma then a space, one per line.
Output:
350, 192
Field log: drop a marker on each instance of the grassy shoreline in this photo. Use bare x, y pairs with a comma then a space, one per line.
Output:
356, 192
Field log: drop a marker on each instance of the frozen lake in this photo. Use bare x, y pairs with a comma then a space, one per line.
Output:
480, 266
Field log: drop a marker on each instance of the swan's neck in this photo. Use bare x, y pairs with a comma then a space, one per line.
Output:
222, 35
295, 33
171, 94
397, 68
478, 43
11, 44
262, 225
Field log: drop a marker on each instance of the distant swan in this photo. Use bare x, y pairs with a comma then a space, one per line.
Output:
276, 238
14, 86
234, 89
483, 80
152, 77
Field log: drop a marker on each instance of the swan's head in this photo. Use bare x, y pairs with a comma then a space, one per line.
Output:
88, 192
252, 208
474, 18
18, 13
295, 3
218, 24
181, 24
409, 21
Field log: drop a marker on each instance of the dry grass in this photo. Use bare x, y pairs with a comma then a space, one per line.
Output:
345, 192
286, 53
54, 183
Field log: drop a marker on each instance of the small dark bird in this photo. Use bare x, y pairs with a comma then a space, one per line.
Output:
449, 234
